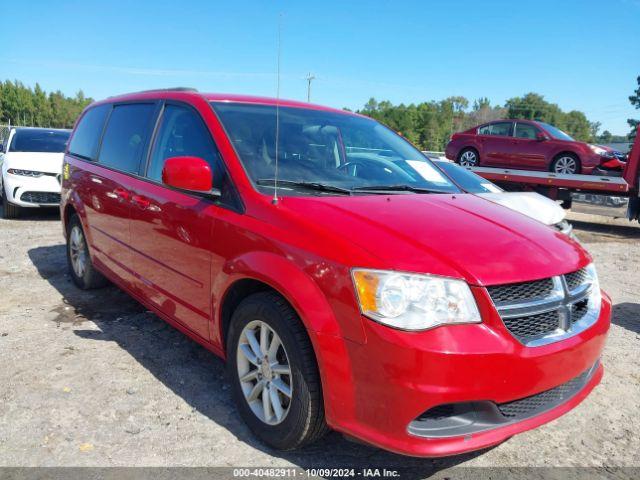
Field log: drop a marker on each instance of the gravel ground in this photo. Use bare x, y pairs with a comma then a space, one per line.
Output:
93, 379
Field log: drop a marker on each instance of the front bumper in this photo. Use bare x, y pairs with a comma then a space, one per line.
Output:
43, 191
398, 376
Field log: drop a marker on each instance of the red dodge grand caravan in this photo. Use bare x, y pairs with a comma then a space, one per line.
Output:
335, 268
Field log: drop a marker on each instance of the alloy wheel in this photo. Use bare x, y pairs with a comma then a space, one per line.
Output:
468, 159
264, 372
565, 165
77, 251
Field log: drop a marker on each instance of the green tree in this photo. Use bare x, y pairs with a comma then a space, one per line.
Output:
606, 137
22, 105
635, 101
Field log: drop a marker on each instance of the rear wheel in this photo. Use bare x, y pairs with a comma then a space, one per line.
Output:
566, 163
469, 158
83, 273
274, 375
9, 210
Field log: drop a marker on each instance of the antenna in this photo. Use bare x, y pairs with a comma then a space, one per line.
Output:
275, 176
309, 79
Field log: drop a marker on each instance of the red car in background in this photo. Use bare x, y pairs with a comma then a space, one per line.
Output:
528, 145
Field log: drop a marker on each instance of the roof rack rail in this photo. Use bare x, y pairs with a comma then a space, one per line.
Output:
173, 89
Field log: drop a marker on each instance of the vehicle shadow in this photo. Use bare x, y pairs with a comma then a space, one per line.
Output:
604, 232
195, 374
627, 315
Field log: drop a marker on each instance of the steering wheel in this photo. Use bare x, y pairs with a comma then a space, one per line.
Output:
345, 167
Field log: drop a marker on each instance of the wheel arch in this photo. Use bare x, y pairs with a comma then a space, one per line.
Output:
566, 152
263, 271
260, 271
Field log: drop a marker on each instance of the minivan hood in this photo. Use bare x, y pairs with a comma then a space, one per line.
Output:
46, 162
531, 204
459, 235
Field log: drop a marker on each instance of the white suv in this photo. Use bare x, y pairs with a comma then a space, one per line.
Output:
31, 162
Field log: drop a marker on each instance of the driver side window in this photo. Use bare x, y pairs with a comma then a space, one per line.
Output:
181, 133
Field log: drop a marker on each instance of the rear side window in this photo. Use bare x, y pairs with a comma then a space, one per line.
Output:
502, 129
86, 138
125, 138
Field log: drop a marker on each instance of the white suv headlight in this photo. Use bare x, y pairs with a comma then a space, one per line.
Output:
24, 173
413, 301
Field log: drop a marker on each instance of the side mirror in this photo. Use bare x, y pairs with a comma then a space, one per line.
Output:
188, 173
541, 137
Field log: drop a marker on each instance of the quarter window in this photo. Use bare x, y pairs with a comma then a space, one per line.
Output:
181, 133
500, 129
126, 136
86, 137
525, 130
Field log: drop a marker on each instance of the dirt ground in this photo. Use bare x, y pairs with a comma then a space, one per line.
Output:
93, 379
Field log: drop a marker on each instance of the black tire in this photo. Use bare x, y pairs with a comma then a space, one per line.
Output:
468, 157
554, 165
305, 421
9, 210
90, 277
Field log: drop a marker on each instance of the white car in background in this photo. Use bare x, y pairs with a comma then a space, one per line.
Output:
31, 168
531, 204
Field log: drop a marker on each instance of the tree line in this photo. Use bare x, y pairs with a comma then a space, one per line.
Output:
429, 125
22, 105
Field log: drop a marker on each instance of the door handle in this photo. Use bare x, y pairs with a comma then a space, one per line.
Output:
121, 194
142, 202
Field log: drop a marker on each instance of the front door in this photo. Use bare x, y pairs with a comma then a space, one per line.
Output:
172, 231
528, 153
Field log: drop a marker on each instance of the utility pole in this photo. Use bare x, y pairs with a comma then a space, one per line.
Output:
310, 78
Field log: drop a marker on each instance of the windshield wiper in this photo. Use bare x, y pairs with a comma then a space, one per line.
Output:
397, 188
321, 187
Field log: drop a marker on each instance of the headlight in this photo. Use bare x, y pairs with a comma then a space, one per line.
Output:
595, 297
600, 151
24, 173
412, 301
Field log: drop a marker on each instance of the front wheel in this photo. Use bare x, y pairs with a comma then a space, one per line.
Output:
566, 163
274, 375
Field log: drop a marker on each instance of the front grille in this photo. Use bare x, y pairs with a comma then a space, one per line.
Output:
528, 406
533, 326
544, 311
575, 279
579, 310
40, 197
521, 291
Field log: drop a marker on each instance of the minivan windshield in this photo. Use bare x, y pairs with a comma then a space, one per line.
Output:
556, 132
326, 153
39, 140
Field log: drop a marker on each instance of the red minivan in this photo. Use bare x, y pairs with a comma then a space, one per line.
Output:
349, 283
528, 145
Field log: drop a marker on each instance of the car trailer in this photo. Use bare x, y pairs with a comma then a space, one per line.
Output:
621, 193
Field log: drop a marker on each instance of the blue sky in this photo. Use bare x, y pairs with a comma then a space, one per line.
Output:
580, 54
